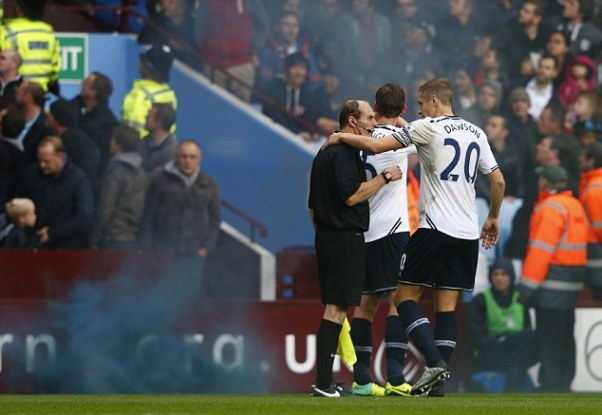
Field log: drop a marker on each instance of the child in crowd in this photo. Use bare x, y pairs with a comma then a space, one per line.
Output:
584, 114
580, 77
19, 231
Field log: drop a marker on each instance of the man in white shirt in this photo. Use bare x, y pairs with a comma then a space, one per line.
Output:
541, 87
443, 252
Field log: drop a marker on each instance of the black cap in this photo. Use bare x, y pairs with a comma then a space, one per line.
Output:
158, 59
33, 9
64, 112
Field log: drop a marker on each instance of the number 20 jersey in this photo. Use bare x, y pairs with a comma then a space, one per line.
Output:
451, 150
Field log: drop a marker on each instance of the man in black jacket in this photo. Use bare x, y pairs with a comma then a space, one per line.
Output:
95, 117
80, 148
62, 194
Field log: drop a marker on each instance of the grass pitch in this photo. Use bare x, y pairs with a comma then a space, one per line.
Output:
301, 404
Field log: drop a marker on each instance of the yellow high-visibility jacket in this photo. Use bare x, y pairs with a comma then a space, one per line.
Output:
139, 101
38, 46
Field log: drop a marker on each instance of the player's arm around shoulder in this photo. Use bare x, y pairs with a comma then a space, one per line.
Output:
366, 143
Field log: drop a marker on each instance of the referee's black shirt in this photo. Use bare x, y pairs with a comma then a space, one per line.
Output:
336, 174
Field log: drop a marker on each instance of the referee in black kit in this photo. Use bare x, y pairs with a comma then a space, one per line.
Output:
338, 204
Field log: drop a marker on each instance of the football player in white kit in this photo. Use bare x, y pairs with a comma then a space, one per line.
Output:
386, 240
443, 252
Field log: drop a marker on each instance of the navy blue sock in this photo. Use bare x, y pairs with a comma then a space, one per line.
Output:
361, 335
396, 346
418, 328
446, 333
326, 345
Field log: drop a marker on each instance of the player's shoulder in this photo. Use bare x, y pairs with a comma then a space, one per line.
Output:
383, 130
451, 123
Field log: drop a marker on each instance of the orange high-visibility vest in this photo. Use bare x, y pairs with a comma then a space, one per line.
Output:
413, 194
590, 194
557, 236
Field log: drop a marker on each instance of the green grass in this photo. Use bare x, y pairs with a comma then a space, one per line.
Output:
301, 404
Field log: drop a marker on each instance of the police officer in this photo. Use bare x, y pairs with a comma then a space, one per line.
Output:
36, 43
152, 88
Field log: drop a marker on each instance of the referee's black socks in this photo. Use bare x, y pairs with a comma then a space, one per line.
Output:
326, 345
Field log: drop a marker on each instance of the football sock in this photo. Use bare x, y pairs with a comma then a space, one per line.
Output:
418, 328
396, 346
326, 349
361, 335
446, 332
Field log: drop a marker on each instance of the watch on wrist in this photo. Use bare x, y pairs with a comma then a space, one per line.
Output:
387, 176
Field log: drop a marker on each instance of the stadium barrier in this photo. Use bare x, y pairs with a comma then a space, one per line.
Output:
113, 322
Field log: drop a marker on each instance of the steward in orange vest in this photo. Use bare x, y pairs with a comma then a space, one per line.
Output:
590, 194
552, 275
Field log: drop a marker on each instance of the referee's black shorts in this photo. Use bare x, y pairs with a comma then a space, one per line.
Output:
383, 260
437, 260
341, 266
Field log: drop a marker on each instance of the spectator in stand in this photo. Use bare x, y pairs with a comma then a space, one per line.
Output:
282, 42
510, 160
122, 193
19, 231
408, 59
580, 77
588, 133
408, 13
62, 194
522, 38
586, 38
12, 159
159, 146
551, 120
35, 42
81, 150
489, 96
585, 114
552, 275
155, 65
367, 34
563, 150
467, 27
174, 25
326, 32
491, 69
540, 88
230, 33
558, 45
500, 325
95, 117
590, 195
182, 214
295, 105
10, 77
464, 89
30, 100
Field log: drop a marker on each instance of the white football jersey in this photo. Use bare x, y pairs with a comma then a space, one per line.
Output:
389, 206
451, 150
